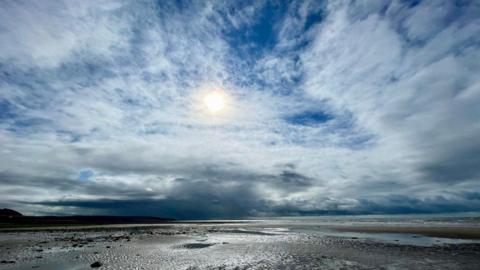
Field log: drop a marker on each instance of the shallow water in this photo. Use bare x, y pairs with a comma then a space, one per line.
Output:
454, 219
393, 238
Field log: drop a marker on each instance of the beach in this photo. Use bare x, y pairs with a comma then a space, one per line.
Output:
239, 245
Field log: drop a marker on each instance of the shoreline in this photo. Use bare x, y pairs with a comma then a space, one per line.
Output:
452, 232
460, 232
101, 227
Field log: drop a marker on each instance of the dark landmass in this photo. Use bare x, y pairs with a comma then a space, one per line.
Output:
10, 218
5, 212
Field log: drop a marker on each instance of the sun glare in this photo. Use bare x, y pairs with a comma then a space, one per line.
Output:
214, 101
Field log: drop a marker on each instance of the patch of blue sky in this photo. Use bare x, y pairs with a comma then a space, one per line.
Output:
253, 39
309, 118
312, 19
31, 122
26, 81
6, 110
325, 128
259, 38
85, 175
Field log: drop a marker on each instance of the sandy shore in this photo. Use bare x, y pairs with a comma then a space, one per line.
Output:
221, 246
444, 232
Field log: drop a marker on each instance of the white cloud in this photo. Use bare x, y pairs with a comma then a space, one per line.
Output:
50, 33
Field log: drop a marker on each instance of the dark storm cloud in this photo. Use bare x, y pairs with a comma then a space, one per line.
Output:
213, 202
408, 205
208, 193
290, 181
187, 200
457, 165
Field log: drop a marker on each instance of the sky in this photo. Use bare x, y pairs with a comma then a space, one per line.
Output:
331, 107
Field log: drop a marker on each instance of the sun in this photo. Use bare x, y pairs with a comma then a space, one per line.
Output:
214, 101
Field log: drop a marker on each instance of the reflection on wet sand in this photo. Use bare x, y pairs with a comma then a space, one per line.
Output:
253, 245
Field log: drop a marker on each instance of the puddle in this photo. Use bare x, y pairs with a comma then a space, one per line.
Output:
196, 245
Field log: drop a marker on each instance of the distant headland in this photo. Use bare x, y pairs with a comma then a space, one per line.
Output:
9, 218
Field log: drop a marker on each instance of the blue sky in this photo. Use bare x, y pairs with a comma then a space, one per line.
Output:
331, 107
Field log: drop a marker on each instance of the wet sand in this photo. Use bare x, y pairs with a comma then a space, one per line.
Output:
443, 232
221, 246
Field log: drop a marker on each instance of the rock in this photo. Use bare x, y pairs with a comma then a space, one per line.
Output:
95, 264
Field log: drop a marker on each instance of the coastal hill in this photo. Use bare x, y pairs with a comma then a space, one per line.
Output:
10, 217
9, 213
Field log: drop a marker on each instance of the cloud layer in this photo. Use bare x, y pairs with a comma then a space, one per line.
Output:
334, 107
